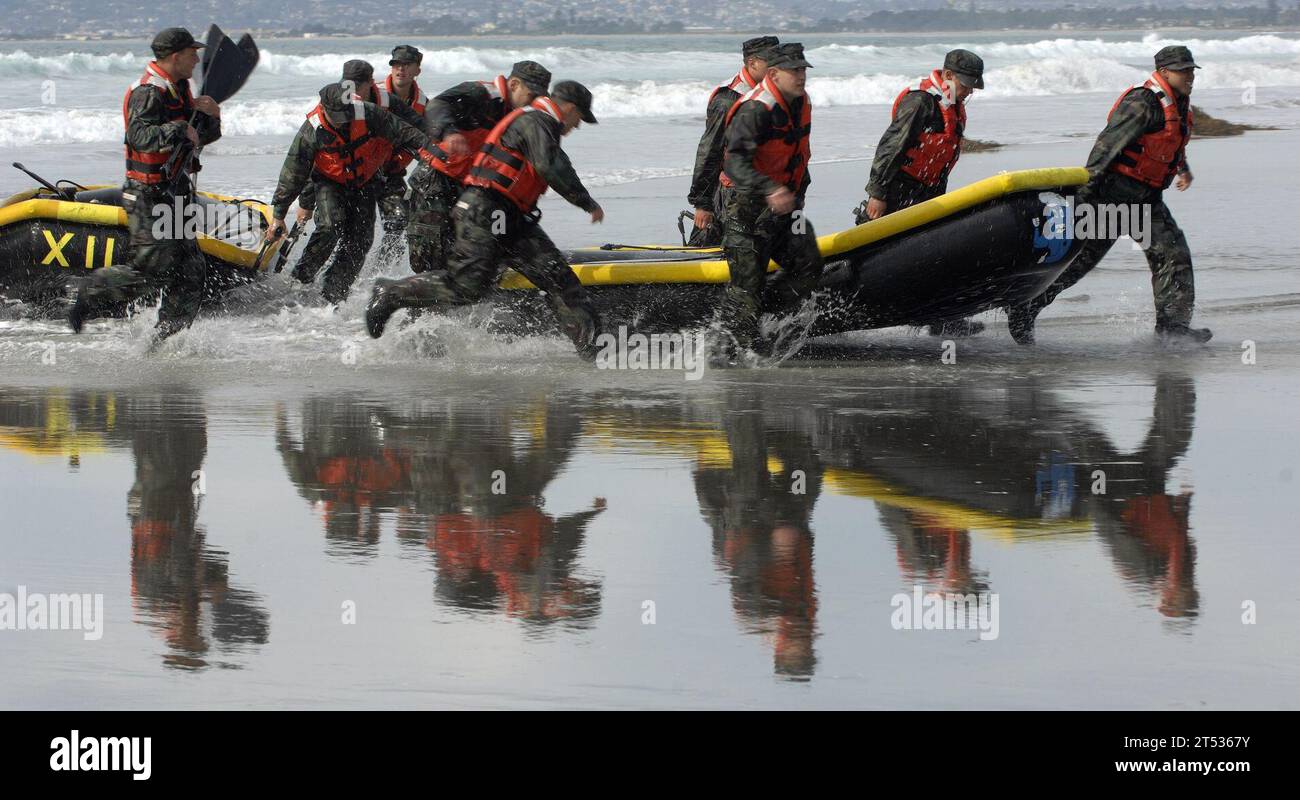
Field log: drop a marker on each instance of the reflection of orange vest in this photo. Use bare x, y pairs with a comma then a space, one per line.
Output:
935, 152
1154, 158
419, 100
507, 171
353, 161
784, 156
178, 106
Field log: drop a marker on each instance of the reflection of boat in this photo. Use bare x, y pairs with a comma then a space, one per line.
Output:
943, 464
974, 249
46, 239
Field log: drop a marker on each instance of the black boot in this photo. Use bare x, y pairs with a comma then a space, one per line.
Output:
79, 311
1020, 321
1181, 332
383, 304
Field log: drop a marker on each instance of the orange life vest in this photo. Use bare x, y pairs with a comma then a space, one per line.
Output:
784, 156
1154, 158
179, 105
740, 83
419, 100
457, 165
935, 152
505, 170
351, 161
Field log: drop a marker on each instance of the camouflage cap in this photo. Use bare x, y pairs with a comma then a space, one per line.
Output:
968, 67
758, 45
787, 56
1175, 57
358, 71
534, 75
172, 40
405, 54
579, 95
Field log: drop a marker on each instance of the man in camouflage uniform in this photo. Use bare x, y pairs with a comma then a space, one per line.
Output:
404, 68
704, 195
458, 120
496, 221
918, 150
157, 112
1121, 172
766, 169
343, 204
344, 208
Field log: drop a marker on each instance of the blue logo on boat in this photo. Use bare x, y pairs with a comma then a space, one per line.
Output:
1054, 231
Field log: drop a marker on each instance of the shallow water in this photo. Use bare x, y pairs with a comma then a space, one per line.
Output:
500, 534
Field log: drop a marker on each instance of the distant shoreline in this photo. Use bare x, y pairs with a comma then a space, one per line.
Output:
489, 37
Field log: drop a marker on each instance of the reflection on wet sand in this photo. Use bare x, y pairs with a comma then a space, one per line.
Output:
758, 508
180, 587
464, 479
940, 464
461, 480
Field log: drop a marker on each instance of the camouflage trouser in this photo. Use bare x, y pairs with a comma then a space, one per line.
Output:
429, 235
175, 265
345, 219
753, 237
1168, 256
491, 234
394, 210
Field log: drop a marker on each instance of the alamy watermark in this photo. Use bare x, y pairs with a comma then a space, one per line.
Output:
935, 611
186, 220
1084, 221
35, 611
681, 351
77, 753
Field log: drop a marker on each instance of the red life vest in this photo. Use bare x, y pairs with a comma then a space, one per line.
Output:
740, 83
350, 161
507, 171
935, 152
419, 100
784, 156
178, 105
457, 166
1154, 158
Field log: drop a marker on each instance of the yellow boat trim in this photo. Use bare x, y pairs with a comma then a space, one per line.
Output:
715, 271
25, 207
711, 451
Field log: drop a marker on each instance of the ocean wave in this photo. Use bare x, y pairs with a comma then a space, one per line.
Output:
843, 58
634, 99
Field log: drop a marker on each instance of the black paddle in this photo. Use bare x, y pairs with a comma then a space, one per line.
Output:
226, 66
287, 247
66, 194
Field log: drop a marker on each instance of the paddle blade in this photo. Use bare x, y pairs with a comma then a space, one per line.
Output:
230, 67
213, 42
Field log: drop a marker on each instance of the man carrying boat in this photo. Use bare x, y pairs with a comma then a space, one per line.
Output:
459, 120
1141, 151
332, 170
765, 172
704, 193
918, 150
404, 67
157, 110
496, 220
